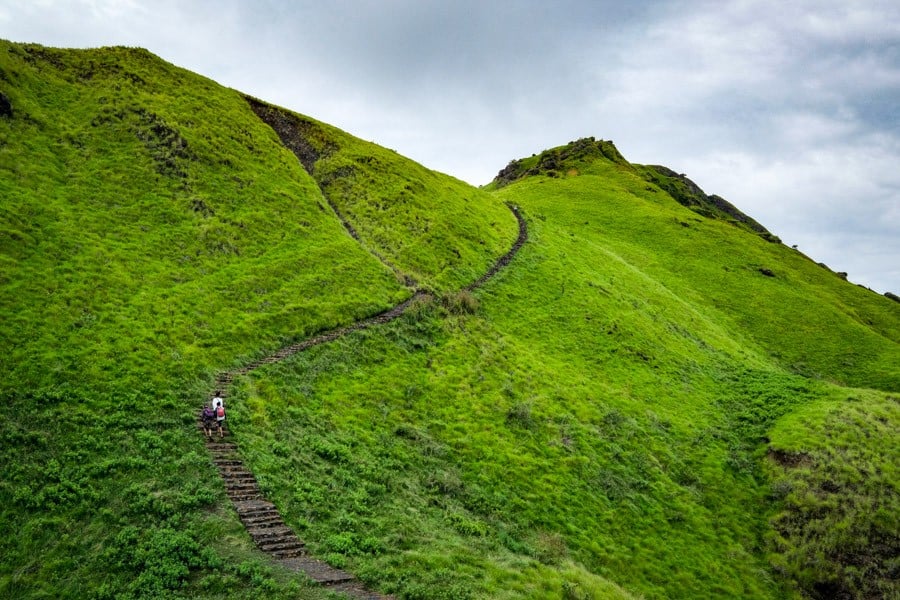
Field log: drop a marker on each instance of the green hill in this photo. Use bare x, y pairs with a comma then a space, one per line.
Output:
653, 399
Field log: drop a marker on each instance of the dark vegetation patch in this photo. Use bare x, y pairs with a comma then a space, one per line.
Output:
460, 303
789, 459
6, 109
837, 528
107, 65
165, 144
687, 193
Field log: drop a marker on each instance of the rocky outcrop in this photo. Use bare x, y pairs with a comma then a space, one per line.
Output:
557, 161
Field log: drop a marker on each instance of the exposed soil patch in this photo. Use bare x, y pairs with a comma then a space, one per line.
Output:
789, 459
300, 136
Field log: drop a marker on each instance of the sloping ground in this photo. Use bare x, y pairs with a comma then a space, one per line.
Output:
687, 193
834, 536
805, 316
599, 420
261, 518
434, 231
144, 200
154, 232
835, 529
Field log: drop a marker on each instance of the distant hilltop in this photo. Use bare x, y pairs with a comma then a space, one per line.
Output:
568, 160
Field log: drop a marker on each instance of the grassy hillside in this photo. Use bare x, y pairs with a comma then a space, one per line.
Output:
612, 414
437, 232
649, 401
154, 231
803, 315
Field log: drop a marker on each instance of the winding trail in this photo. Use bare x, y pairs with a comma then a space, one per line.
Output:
259, 516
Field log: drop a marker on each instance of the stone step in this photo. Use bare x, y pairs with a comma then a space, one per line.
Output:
261, 522
281, 554
216, 445
238, 476
237, 468
268, 533
255, 507
259, 513
237, 497
241, 488
226, 465
240, 484
280, 545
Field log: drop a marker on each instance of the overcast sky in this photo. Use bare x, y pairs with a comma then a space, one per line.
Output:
790, 110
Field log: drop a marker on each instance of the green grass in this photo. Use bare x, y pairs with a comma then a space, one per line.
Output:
153, 231
437, 232
836, 475
646, 403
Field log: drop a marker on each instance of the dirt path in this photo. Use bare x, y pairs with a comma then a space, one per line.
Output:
259, 516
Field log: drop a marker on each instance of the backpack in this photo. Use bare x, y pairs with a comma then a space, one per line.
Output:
220, 412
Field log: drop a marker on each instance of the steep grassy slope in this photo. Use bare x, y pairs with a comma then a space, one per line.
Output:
420, 222
802, 314
614, 413
153, 231
647, 403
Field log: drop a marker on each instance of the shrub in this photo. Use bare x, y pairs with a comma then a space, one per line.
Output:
462, 302
520, 415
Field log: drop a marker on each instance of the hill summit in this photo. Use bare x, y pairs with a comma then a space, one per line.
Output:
576, 155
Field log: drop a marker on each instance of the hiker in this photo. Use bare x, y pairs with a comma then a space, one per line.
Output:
207, 418
219, 407
217, 400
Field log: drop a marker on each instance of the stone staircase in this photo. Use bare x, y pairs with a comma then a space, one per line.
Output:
268, 530
259, 516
